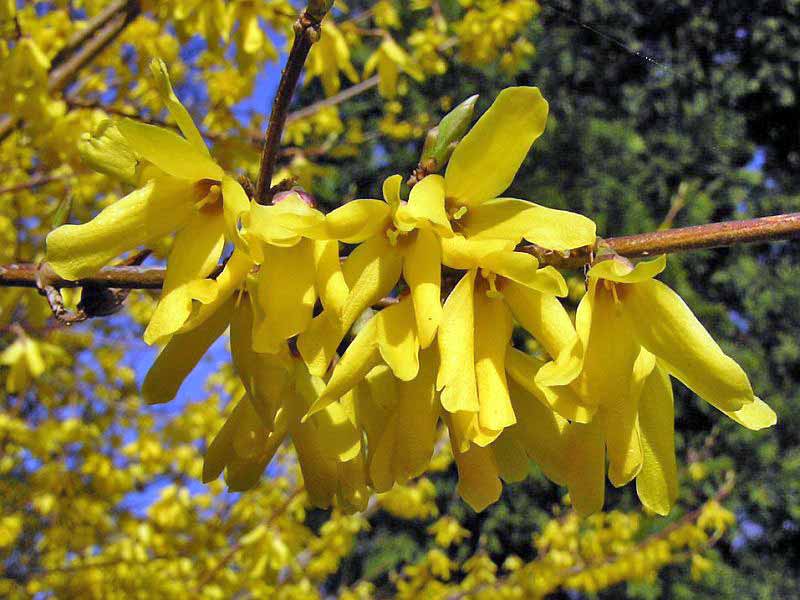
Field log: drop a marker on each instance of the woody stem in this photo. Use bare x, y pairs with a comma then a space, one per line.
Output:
306, 32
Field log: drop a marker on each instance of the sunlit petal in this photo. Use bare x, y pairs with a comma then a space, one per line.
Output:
422, 272
456, 348
485, 162
425, 208
176, 109
493, 327
667, 328
357, 220
285, 294
622, 270
145, 215
657, 482
169, 152
397, 339
193, 257
512, 219
181, 355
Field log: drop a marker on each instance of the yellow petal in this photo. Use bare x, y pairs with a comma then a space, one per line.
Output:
755, 415
543, 316
169, 152
478, 475
523, 368
360, 357
485, 162
523, 269
610, 350
181, 355
235, 204
623, 443
511, 458
585, 457
657, 483
397, 339
540, 432
243, 473
391, 191
284, 223
425, 208
229, 281
623, 271
193, 257
406, 442
266, 377
463, 253
371, 271
357, 220
330, 283
512, 219
667, 328
178, 111
220, 450
422, 271
145, 215
285, 294
493, 327
456, 348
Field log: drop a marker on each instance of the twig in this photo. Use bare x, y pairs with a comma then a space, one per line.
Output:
32, 183
713, 235
306, 32
345, 94
228, 557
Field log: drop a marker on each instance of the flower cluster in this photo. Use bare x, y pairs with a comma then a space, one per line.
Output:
368, 417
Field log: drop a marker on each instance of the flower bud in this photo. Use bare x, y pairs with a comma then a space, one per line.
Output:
106, 151
317, 9
442, 139
307, 198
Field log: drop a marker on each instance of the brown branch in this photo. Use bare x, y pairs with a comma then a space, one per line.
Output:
345, 94
306, 32
209, 576
32, 183
682, 239
89, 28
713, 235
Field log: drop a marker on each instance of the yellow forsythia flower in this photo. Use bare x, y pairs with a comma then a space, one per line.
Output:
328, 57
390, 60
185, 192
635, 332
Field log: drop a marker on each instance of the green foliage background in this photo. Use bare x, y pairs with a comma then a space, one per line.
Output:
646, 99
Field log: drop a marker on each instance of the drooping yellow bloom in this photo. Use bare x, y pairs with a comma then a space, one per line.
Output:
476, 330
635, 331
484, 164
185, 192
328, 57
27, 360
292, 272
278, 392
397, 237
390, 60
